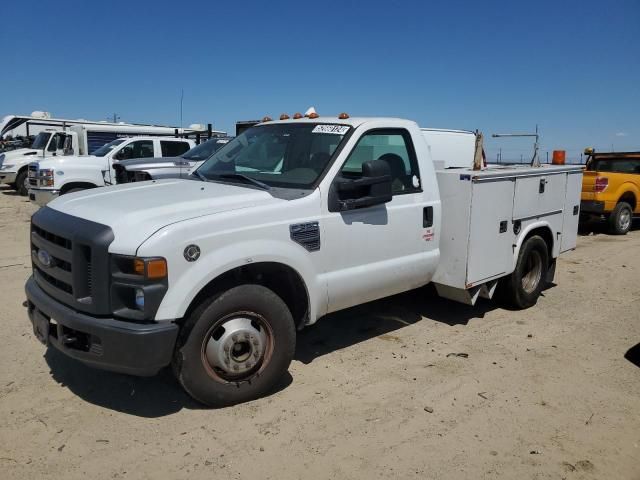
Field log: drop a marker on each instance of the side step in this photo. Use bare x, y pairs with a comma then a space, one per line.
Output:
467, 296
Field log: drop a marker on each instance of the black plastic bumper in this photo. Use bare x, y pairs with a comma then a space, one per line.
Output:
126, 347
592, 207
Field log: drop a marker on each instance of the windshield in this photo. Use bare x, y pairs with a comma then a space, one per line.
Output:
103, 150
289, 155
206, 149
41, 140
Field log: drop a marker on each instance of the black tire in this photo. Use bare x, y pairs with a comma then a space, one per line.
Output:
620, 219
20, 187
211, 384
522, 288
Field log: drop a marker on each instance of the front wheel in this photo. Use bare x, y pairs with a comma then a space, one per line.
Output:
522, 288
235, 346
621, 218
22, 183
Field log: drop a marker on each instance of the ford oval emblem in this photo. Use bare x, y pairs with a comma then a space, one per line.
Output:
191, 253
45, 259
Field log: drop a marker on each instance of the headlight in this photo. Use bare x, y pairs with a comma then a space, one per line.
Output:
46, 177
148, 268
138, 286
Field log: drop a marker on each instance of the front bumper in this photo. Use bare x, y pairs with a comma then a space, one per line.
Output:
8, 177
42, 197
134, 348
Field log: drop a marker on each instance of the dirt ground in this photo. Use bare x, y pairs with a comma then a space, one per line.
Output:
374, 392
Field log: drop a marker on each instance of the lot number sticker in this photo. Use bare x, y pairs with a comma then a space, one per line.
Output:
333, 129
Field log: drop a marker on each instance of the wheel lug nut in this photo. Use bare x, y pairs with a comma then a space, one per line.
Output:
234, 337
236, 367
256, 354
247, 336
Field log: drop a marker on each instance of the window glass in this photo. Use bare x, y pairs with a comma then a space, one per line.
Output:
206, 149
107, 147
288, 155
137, 149
173, 148
617, 165
41, 140
392, 147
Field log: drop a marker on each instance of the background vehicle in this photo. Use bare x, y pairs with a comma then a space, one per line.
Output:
292, 220
141, 169
72, 137
50, 178
611, 189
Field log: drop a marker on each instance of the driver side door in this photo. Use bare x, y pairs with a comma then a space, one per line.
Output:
381, 250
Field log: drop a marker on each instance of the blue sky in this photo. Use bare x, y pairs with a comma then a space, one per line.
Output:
573, 67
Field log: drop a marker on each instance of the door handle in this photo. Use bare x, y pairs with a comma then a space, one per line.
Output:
427, 217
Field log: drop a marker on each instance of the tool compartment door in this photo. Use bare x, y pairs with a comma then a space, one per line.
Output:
571, 212
538, 196
491, 237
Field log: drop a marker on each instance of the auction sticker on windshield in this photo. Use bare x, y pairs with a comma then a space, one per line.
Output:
334, 129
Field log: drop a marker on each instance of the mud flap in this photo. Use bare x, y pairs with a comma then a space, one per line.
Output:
551, 272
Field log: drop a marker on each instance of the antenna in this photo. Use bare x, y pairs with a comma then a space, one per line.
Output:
535, 161
181, 101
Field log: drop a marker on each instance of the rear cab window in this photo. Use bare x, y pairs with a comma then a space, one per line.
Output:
615, 165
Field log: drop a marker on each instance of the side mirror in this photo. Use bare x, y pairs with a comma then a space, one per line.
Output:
373, 188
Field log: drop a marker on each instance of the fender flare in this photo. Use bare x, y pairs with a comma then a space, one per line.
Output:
524, 234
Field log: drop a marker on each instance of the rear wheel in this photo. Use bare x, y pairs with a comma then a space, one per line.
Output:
621, 218
235, 346
522, 288
22, 183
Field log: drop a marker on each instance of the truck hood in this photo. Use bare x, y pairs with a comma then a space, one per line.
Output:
135, 211
61, 161
18, 153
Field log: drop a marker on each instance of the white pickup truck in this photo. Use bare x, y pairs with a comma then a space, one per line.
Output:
49, 178
13, 164
290, 221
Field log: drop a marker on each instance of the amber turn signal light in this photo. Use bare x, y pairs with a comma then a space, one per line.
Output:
156, 268
153, 268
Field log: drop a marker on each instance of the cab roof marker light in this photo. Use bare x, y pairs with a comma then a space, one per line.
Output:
266, 118
297, 116
313, 115
343, 116
284, 116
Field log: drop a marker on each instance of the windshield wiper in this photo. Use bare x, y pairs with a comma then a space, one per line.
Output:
253, 181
